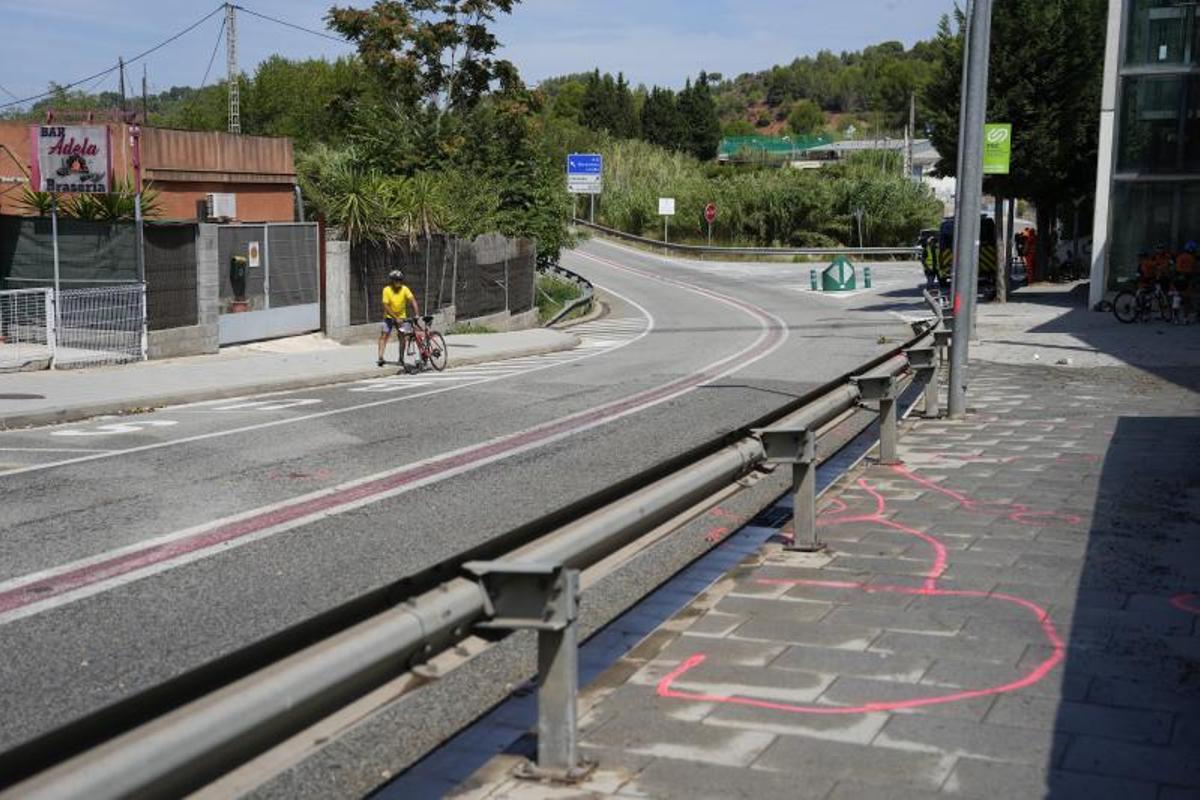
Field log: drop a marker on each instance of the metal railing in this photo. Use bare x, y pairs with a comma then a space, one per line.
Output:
587, 291
701, 251
535, 587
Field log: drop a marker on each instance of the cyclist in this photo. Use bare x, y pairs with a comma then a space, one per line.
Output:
396, 299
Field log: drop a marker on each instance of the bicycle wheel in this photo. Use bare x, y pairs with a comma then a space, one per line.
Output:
438, 354
1125, 306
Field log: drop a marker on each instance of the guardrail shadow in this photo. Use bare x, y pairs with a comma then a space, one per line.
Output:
1130, 708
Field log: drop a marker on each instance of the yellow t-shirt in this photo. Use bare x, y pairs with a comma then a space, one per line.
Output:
395, 301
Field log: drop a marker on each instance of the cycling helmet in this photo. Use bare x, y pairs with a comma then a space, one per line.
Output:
395, 275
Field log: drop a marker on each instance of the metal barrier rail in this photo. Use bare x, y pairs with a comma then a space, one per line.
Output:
589, 291
534, 588
702, 250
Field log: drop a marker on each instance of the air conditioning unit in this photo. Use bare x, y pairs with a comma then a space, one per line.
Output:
220, 205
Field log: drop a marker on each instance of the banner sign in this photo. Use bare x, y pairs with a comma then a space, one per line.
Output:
71, 158
997, 149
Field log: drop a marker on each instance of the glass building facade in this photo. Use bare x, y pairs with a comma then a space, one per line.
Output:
1155, 190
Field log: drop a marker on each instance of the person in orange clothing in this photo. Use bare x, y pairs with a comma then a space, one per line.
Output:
1030, 256
1185, 267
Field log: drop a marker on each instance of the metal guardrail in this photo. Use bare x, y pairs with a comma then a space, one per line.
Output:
536, 588
584, 300
703, 250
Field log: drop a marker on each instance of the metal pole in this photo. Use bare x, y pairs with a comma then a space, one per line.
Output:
558, 689
666, 223
970, 179
57, 283
1001, 252
804, 508
888, 432
592, 208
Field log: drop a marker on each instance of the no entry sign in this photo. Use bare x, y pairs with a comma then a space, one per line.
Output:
710, 212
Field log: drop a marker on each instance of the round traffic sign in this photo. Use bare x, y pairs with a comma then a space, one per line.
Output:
710, 212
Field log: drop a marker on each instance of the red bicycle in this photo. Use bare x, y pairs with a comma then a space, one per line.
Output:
426, 347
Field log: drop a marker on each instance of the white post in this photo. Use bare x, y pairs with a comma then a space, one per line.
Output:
57, 283
1106, 156
51, 315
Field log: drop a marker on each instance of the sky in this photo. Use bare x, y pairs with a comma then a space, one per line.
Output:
651, 41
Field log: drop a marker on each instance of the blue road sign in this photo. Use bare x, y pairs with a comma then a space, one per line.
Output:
585, 164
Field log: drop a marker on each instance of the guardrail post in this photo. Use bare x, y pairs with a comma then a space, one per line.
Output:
545, 598
798, 447
924, 361
883, 389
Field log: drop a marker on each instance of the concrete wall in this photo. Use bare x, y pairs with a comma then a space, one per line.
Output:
202, 338
337, 290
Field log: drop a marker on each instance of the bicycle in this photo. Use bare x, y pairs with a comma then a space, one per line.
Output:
426, 347
1139, 305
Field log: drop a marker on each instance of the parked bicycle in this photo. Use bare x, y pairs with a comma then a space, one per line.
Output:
1140, 304
426, 348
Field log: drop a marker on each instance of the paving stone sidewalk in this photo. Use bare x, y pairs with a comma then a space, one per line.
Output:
1013, 612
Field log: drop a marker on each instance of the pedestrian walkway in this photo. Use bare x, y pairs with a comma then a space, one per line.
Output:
32, 398
1013, 611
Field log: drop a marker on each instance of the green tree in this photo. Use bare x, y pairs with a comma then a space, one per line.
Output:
1052, 107
805, 118
428, 52
702, 124
662, 123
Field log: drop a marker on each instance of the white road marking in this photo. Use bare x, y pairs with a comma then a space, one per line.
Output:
52, 450
761, 315
267, 405
339, 411
116, 428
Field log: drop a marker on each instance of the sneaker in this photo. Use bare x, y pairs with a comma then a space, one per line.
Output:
380, 363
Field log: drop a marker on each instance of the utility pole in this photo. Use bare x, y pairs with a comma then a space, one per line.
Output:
121, 67
145, 100
912, 130
231, 76
970, 190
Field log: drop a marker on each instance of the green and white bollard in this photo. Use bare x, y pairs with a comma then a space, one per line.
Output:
866, 277
816, 281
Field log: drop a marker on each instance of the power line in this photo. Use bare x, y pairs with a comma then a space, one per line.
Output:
7, 92
113, 69
292, 25
213, 57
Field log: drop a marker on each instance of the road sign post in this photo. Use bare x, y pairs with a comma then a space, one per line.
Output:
666, 210
585, 175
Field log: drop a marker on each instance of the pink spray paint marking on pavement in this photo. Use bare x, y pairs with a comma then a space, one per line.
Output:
838, 514
1187, 602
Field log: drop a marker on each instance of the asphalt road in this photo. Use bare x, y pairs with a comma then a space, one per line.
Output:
132, 550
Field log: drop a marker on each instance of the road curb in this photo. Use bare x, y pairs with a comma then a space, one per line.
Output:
147, 403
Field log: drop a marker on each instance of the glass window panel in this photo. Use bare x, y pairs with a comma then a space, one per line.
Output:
1144, 217
1149, 134
1158, 32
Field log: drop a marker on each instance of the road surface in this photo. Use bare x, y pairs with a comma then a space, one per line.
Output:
134, 549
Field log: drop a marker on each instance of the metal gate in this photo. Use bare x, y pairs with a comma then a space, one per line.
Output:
40, 328
281, 293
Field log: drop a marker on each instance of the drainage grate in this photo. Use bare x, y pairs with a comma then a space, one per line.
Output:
773, 517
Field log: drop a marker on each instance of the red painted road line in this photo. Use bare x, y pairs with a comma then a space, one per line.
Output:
928, 588
56, 585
